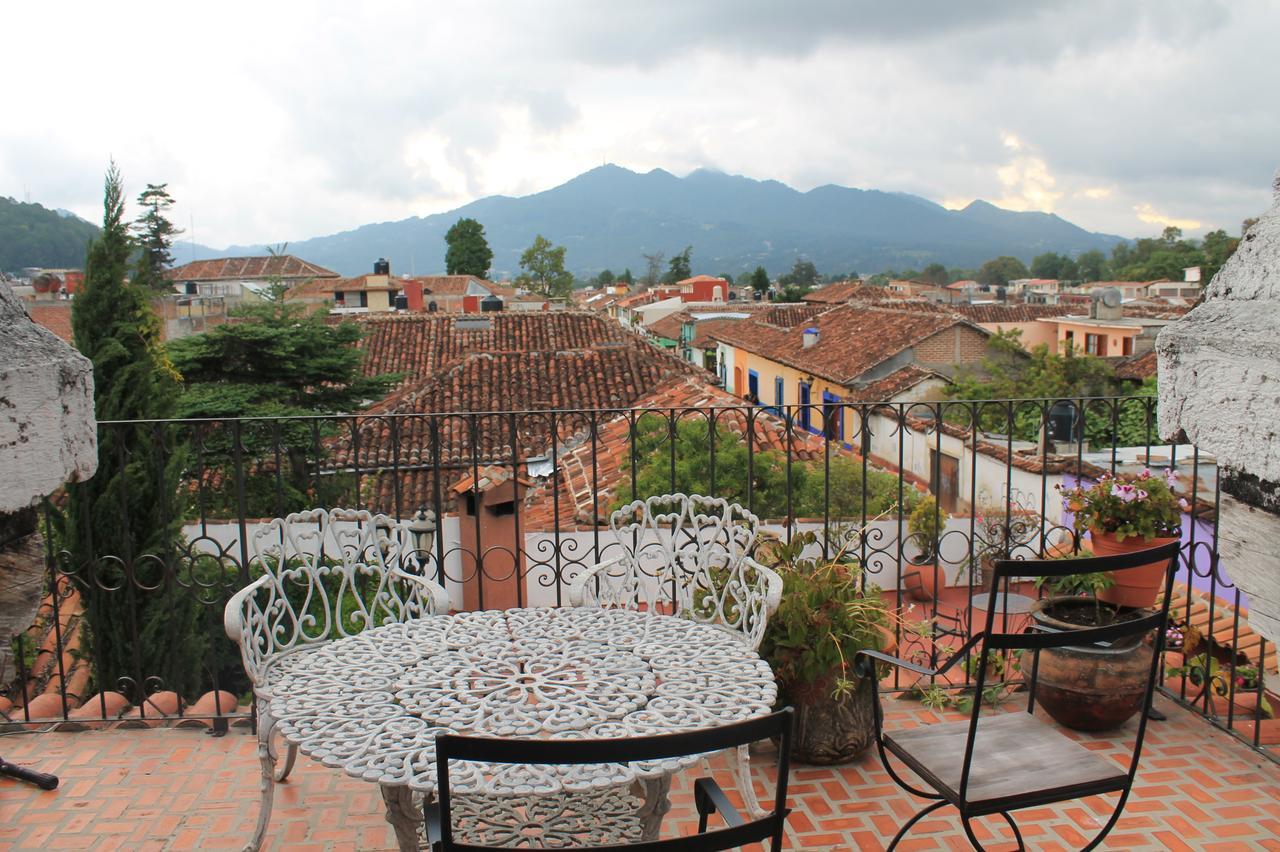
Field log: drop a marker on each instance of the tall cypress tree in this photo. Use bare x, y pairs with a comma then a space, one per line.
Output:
122, 528
155, 235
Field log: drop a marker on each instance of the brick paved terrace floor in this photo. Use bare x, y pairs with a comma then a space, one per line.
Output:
178, 788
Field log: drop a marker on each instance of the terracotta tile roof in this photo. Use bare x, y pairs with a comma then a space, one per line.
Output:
1155, 310
361, 282
994, 313
424, 345
704, 332
852, 338
846, 291
524, 362
697, 278
588, 475
670, 326
284, 266
789, 316
637, 299
1137, 367
964, 284
55, 316
455, 285
899, 381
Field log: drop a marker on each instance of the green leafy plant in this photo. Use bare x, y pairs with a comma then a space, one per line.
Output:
827, 615
1145, 506
924, 525
1206, 671
1082, 585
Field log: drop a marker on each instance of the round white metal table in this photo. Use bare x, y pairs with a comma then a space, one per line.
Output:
372, 704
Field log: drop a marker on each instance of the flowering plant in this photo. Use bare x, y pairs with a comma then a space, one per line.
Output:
1145, 506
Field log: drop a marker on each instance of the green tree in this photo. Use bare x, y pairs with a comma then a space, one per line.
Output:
935, 273
277, 360
804, 274
760, 280
155, 235
544, 272
680, 267
1216, 247
653, 268
468, 252
727, 278
770, 478
1091, 265
1001, 270
626, 277
605, 278
120, 528
1047, 265
1010, 372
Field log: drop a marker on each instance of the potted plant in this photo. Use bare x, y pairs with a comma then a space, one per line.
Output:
827, 615
924, 526
1123, 516
1088, 687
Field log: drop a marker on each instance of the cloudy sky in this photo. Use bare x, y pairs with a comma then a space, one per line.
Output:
274, 123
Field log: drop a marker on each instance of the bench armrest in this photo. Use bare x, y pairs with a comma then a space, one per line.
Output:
434, 594
233, 620
577, 589
773, 592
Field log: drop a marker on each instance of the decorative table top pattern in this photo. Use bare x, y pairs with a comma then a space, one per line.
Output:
372, 704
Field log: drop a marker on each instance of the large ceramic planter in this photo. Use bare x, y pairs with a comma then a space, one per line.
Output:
833, 730
921, 581
1088, 687
1135, 587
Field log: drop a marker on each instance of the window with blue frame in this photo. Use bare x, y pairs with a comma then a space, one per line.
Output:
779, 395
802, 415
753, 387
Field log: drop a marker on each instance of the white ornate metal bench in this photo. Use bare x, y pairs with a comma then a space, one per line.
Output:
326, 574
690, 556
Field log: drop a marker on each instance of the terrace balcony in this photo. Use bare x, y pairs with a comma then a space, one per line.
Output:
157, 750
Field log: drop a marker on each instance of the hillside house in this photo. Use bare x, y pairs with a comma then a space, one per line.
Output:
239, 278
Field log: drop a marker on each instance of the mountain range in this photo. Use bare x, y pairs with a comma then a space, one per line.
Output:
610, 217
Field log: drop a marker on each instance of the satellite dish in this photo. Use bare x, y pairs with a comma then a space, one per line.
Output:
1111, 297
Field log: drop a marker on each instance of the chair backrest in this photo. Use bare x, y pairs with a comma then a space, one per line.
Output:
334, 573
1153, 622
563, 752
689, 555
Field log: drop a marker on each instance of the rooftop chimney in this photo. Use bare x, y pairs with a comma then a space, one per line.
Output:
810, 337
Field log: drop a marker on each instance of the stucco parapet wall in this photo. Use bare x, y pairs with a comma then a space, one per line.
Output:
48, 434
1219, 366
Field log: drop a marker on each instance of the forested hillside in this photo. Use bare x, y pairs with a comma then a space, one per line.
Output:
31, 235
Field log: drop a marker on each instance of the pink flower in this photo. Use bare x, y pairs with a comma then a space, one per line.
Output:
1171, 477
1184, 505
1146, 473
1124, 492
1142, 495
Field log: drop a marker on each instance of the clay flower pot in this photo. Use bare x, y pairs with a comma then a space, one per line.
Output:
1087, 687
1135, 587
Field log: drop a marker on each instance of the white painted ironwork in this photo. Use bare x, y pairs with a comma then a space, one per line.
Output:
689, 556
373, 704
327, 574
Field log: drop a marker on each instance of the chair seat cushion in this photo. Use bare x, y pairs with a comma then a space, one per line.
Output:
1018, 761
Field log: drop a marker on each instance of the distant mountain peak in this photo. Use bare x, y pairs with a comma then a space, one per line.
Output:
612, 216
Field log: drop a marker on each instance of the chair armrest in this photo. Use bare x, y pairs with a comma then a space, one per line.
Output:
924, 670
578, 587
709, 798
773, 596
433, 591
233, 613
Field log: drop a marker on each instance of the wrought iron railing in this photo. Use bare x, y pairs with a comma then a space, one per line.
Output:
543, 484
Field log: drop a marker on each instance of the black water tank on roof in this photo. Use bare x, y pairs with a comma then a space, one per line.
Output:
381, 266
402, 302
432, 307
490, 303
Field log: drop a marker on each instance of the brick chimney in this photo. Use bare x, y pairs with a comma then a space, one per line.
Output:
1219, 379
487, 505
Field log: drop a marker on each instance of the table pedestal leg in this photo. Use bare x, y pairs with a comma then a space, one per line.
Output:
656, 804
403, 815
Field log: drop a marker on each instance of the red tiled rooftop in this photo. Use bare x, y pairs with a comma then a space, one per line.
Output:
177, 788
55, 316
852, 338
284, 266
1137, 367
996, 313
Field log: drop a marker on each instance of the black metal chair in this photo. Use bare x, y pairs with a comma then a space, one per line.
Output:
709, 798
1014, 760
